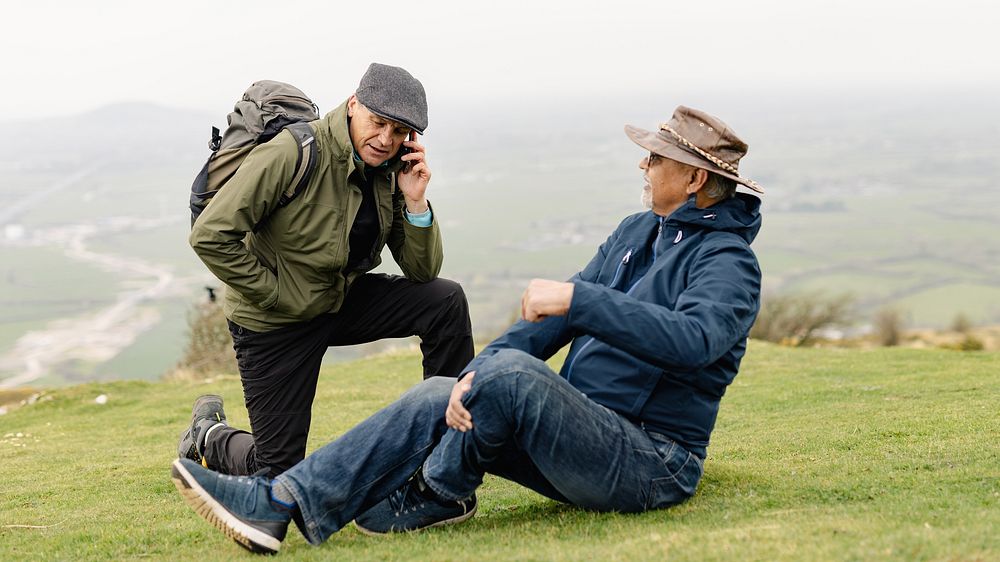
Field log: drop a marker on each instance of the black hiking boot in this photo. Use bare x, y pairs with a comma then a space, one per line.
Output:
206, 413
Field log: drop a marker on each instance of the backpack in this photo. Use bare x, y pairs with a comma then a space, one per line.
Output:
266, 109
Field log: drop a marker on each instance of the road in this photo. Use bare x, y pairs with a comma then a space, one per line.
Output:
99, 335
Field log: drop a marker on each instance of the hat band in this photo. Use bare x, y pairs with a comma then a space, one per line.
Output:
713, 159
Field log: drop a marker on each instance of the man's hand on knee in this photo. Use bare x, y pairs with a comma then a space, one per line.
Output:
456, 416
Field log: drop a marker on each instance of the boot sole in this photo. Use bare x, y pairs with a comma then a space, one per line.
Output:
212, 511
442, 523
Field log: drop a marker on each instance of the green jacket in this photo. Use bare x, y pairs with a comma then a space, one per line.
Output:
291, 269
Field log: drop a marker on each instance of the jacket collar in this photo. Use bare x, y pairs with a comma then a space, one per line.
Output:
739, 215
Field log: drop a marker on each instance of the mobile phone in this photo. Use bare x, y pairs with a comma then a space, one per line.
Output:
403, 150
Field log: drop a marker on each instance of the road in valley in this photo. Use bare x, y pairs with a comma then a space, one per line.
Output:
95, 336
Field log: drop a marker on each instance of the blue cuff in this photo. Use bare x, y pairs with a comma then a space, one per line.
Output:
424, 219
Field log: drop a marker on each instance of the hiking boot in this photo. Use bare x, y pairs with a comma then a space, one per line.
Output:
239, 506
413, 507
206, 413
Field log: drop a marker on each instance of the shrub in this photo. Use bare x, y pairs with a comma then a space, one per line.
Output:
961, 323
968, 343
888, 326
209, 349
794, 319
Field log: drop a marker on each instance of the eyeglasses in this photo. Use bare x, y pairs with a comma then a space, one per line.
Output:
653, 158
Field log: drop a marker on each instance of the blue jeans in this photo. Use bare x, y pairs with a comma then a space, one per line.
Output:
530, 426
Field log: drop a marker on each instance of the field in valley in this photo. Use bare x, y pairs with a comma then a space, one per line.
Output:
94, 262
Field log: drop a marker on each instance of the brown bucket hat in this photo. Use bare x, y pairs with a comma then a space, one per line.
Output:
699, 139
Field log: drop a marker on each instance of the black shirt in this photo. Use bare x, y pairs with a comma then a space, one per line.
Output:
365, 229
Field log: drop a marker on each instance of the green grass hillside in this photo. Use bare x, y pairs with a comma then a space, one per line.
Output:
818, 455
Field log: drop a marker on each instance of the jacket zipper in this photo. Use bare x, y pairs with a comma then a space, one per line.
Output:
378, 213
656, 243
346, 238
621, 264
614, 280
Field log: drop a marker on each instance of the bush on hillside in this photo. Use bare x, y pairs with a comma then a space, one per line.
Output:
888, 326
961, 323
209, 350
968, 343
795, 319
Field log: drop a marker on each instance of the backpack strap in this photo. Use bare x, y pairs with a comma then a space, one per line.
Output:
305, 140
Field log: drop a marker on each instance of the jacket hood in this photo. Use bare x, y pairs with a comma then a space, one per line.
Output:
739, 215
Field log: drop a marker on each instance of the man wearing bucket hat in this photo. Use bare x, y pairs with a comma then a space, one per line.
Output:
301, 283
657, 324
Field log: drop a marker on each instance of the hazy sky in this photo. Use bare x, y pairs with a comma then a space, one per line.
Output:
66, 57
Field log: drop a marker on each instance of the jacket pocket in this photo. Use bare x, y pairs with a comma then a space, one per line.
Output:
683, 471
650, 376
285, 303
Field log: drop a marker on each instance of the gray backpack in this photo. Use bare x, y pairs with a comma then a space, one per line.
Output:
266, 109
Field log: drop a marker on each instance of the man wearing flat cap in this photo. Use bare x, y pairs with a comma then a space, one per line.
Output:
657, 325
299, 282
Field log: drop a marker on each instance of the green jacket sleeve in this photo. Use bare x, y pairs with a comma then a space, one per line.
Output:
245, 200
417, 250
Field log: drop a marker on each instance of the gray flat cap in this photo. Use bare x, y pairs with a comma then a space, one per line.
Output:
393, 93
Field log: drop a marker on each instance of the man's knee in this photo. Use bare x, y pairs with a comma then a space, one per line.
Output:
507, 366
512, 360
433, 391
511, 386
447, 292
446, 288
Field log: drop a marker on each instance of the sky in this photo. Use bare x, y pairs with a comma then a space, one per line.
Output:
63, 57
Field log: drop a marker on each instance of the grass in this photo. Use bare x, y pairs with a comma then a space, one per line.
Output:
888, 454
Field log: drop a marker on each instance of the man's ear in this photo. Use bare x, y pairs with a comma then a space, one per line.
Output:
697, 181
352, 103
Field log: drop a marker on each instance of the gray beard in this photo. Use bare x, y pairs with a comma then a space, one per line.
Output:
647, 197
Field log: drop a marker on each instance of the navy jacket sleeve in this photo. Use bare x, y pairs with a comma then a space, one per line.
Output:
543, 339
711, 315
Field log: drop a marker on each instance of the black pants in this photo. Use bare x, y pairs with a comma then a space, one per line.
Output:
279, 369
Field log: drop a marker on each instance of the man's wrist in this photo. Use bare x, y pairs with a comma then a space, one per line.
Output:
422, 220
567, 296
417, 207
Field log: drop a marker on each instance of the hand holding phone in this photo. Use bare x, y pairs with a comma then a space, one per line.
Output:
414, 175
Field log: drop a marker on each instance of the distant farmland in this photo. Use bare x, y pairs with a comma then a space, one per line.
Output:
901, 214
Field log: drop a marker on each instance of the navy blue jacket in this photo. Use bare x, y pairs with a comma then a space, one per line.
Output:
659, 318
